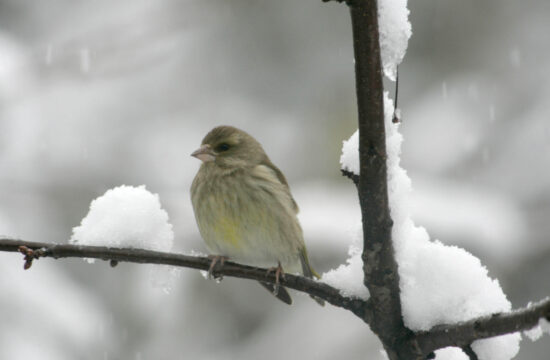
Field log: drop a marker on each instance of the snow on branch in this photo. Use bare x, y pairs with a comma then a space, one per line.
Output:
465, 333
36, 250
394, 29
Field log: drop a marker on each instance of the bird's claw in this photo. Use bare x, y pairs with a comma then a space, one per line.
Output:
279, 274
215, 260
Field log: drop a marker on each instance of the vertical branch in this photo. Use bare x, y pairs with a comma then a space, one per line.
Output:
379, 265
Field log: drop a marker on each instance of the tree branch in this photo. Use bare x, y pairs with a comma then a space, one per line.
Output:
379, 265
35, 250
422, 343
463, 334
353, 177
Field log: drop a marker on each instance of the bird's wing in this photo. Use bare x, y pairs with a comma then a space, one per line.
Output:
271, 172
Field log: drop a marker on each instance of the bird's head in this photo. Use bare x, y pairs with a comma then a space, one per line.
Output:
229, 147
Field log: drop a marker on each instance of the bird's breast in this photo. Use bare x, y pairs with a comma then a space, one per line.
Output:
244, 219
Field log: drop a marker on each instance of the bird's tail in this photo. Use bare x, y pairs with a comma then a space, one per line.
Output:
281, 294
309, 272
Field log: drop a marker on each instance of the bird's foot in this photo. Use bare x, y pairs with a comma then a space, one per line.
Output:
216, 260
279, 274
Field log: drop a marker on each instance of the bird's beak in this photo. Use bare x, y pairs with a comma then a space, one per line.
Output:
204, 153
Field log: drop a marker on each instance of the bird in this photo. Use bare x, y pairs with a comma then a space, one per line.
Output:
244, 208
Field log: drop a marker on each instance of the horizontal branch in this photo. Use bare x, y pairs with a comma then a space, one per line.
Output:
458, 335
318, 289
463, 334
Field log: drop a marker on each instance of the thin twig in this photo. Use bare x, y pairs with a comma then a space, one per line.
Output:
395, 118
352, 176
36, 250
470, 352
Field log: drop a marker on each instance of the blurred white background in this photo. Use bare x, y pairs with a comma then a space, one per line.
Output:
95, 94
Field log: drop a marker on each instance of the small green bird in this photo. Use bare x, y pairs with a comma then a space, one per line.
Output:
244, 209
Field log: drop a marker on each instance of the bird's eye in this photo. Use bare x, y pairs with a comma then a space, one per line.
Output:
222, 147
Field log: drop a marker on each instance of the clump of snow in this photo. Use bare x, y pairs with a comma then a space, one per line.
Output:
349, 160
502, 347
395, 31
439, 284
536, 333
450, 353
126, 216
442, 284
349, 277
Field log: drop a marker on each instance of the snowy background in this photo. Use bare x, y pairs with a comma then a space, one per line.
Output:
95, 94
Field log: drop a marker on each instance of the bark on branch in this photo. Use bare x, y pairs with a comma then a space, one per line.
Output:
463, 334
379, 265
36, 250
